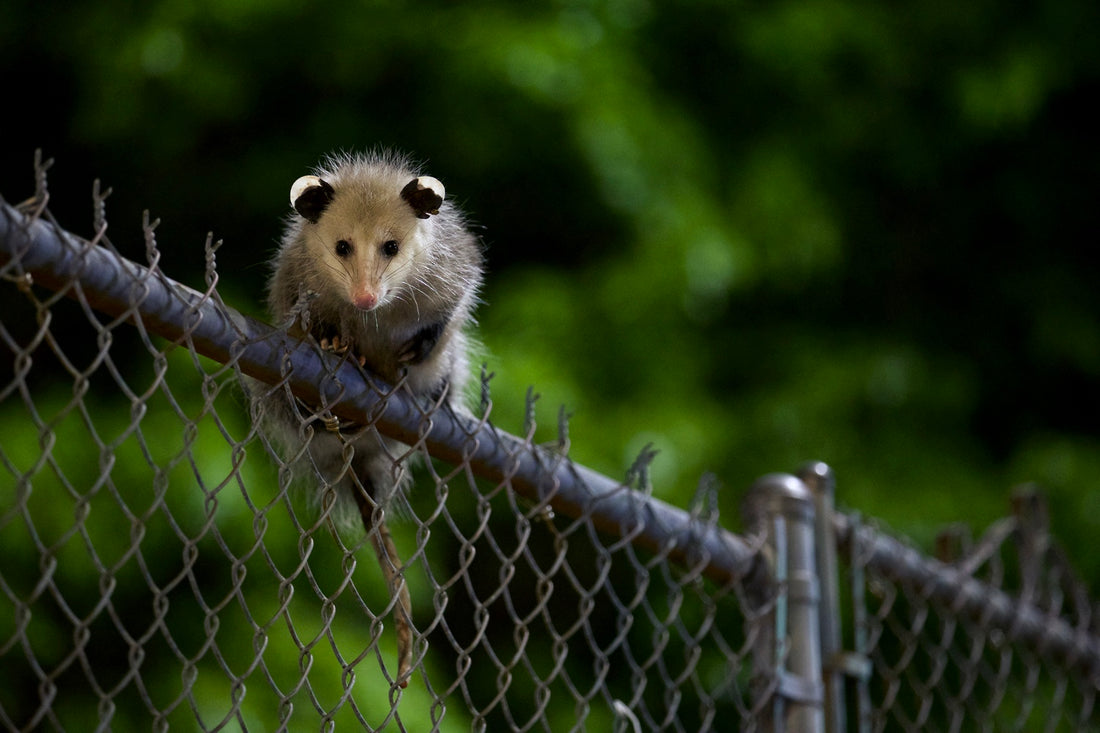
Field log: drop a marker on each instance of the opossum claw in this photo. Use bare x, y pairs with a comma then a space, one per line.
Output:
335, 345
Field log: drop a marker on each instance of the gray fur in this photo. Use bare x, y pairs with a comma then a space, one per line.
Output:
391, 275
425, 297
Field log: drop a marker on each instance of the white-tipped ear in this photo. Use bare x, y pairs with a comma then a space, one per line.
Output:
425, 195
434, 185
301, 185
310, 196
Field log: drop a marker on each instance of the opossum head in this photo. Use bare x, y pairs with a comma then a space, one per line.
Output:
368, 228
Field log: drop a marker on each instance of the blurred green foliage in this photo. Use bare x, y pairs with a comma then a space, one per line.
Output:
751, 234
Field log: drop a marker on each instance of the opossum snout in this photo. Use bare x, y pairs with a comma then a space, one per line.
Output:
364, 300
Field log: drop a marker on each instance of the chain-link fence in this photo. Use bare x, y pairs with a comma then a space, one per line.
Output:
160, 571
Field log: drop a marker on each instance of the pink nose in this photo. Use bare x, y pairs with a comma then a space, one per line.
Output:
365, 300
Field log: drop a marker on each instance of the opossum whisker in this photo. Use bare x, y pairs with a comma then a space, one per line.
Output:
409, 292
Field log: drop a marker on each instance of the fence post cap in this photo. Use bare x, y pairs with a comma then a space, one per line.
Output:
777, 493
818, 476
781, 485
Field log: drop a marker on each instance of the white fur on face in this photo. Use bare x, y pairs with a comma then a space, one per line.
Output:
367, 276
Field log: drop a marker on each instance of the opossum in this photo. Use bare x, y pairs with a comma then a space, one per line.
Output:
390, 274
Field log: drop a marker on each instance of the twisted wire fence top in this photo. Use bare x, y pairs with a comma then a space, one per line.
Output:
541, 579
40, 253
995, 633
1052, 614
159, 570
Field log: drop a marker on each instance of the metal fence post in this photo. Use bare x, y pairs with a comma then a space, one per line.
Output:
837, 663
788, 653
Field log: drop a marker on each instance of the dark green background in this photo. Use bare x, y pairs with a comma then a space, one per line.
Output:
750, 233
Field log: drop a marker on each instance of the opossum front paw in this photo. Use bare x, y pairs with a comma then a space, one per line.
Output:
420, 346
337, 346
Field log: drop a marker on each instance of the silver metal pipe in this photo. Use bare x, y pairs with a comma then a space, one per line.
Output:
952, 588
788, 649
34, 252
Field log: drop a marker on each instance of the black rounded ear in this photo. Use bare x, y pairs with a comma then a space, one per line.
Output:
310, 196
425, 195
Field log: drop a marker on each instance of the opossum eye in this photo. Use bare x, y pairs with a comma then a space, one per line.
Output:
390, 248
343, 248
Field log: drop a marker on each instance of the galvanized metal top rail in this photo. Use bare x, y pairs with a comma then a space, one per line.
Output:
954, 588
35, 252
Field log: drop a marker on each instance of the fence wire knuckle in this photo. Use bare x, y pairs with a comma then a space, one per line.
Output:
161, 569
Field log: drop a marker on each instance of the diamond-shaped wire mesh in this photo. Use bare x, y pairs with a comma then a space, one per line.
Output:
161, 571
948, 653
